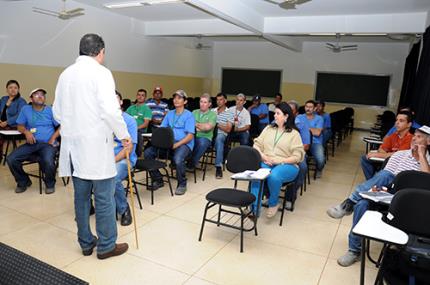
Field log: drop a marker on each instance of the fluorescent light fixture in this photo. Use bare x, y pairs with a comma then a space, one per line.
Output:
156, 2
119, 5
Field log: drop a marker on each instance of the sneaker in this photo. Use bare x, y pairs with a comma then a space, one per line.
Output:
318, 174
49, 190
349, 258
20, 189
344, 209
189, 168
271, 211
218, 172
126, 218
156, 185
181, 190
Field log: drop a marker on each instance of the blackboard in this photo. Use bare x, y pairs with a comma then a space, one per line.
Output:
266, 83
350, 88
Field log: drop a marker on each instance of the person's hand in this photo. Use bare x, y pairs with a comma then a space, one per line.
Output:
52, 141
30, 138
372, 154
9, 101
421, 150
3, 124
176, 145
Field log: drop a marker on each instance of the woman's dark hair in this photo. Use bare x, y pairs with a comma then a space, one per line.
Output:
13, 81
286, 110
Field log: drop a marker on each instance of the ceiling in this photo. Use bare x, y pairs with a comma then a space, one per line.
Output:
244, 20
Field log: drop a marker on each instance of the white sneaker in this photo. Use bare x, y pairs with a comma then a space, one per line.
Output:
271, 211
349, 258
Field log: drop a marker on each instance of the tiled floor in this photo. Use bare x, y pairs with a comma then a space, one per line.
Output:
303, 251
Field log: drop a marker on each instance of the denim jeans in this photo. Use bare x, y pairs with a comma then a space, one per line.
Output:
382, 178
200, 146
326, 135
317, 151
140, 141
46, 154
298, 182
120, 198
367, 166
179, 156
105, 213
243, 137
219, 149
279, 174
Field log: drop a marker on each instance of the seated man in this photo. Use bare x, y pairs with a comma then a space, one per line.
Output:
416, 158
305, 135
182, 122
414, 126
261, 110
143, 115
159, 108
241, 119
400, 140
122, 207
224, 122
37, 123
327, 121
316, 124
205, 124
278, 99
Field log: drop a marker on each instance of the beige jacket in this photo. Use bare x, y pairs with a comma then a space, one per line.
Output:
289, 145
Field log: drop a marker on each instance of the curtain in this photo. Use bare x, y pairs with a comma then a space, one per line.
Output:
409, 75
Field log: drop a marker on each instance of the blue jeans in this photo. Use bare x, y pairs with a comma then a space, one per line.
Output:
382, 178
326, 135
298, 182
120, 198
317, 151
105, 213
179, 156
46, 154
279, 174
200, 146
367, 166
219, 149
243, 137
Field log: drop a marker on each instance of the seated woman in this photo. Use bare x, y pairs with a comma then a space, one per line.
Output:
10, 106
281, 149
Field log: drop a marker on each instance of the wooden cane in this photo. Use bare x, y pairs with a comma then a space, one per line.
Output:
130, 185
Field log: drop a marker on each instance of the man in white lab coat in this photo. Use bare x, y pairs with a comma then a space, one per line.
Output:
87, 108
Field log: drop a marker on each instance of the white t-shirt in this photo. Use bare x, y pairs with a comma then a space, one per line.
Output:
243, 117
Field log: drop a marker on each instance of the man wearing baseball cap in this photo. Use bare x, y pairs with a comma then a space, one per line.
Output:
159, 108
37, 123
261, 110
182, 122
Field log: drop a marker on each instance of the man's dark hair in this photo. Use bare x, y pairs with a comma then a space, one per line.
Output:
310, 101
91, 45
142, 90
278, 94
221, 94
322, 103
408, 115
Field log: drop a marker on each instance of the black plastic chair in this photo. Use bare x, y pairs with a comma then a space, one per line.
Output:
162, 139
239, 159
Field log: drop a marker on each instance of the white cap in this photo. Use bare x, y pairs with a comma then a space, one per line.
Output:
425, 130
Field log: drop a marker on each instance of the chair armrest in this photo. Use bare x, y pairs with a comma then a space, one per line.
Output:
371, 226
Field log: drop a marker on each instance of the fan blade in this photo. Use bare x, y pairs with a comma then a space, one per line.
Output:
329, 45
36, 9
298, 2
349, 46
348, 49
73, 11
67, 16
286, 5
46, 13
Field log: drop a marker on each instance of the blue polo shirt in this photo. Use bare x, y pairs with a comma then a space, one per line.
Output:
182, 125
40, 123
327, 121
132, 130
317, 122
303, 129
261, 109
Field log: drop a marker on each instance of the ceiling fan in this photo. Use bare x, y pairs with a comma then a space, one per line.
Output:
200, 45
287, 4
336, 47
63, 14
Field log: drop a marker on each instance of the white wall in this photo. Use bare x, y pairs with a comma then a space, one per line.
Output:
31, 38
370, 58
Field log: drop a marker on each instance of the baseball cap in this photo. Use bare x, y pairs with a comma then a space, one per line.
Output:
425, 130
158, 88
256, 97
36, 90
180, 93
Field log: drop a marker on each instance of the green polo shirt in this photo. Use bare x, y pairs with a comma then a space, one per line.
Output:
140, 113
208, 117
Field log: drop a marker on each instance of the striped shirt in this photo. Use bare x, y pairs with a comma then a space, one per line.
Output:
158, 110
222, 118
403, 160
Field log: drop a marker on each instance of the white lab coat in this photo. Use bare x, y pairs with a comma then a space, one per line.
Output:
87, 108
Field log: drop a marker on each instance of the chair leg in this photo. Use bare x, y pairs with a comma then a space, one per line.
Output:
6, 152
137, 193
284, 202
219, 215
203, 221
40, 180
168, 181
241, 232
